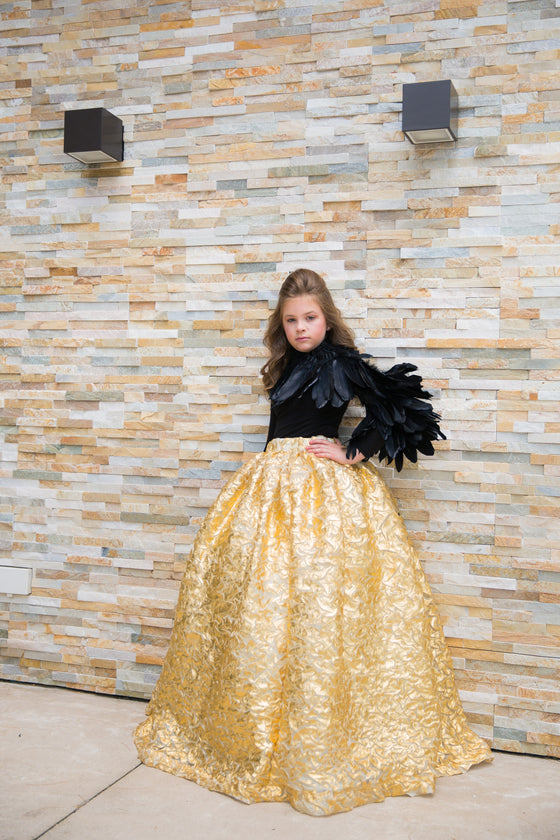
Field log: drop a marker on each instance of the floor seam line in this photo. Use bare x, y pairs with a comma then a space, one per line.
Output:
87, 801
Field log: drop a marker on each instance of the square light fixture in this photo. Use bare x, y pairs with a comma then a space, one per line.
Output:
429, 112
93, 135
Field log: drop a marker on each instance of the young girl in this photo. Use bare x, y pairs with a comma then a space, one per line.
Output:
307, 661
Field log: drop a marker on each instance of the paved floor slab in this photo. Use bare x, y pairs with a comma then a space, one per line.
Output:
73, 773
61, 747
515, 798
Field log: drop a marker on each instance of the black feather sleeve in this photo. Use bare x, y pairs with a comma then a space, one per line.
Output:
397, 408
399, 421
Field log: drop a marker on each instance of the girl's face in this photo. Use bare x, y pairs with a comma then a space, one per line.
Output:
304, 323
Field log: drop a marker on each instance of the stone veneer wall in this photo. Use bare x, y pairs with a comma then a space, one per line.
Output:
260, 136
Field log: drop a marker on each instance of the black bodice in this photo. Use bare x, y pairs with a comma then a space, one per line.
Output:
300, 417
312, 395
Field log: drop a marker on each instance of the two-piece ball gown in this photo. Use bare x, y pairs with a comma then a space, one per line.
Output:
307, 662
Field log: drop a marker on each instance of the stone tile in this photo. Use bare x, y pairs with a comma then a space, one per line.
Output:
134, 298
62, 748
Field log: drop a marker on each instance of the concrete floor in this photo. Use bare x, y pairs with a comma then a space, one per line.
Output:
69, 771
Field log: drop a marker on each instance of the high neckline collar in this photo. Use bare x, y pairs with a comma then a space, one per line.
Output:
301, 355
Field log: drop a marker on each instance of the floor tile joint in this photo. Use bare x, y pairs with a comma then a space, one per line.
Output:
87, 801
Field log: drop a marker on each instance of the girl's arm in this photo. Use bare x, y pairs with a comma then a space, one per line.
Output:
398, 414
332, 449
271, 426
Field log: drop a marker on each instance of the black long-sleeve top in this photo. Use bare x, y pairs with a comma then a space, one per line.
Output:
313, 392
300, 417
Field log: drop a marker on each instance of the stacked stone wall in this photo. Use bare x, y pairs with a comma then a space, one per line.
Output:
261, 136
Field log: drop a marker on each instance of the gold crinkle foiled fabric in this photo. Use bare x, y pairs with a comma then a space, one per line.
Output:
307, 661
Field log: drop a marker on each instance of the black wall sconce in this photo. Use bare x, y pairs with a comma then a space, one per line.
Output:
93, 135
429, 113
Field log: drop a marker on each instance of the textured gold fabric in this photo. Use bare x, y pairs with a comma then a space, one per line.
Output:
307, 661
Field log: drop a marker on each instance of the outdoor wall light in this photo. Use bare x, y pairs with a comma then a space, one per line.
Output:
429, 112
93, 135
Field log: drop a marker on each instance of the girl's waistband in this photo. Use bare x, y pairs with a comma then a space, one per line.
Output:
295, 444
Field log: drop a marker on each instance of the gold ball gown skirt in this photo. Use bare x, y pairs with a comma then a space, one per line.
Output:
307, 662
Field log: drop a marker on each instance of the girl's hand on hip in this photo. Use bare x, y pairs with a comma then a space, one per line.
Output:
332, 449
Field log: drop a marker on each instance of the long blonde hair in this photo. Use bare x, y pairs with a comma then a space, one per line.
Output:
300, 282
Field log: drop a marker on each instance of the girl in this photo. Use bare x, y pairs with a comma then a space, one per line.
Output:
307, 661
